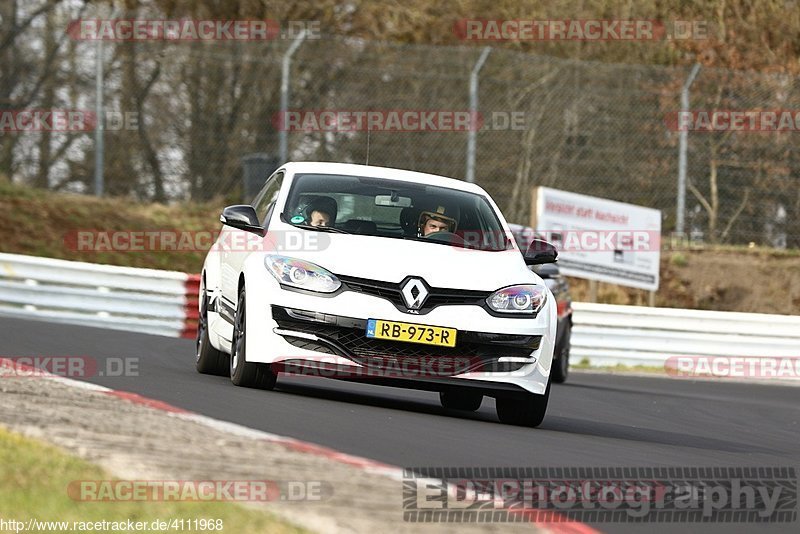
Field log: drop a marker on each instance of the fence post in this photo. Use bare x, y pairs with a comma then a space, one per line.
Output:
99, 145
683, 142
285, 65
473, 108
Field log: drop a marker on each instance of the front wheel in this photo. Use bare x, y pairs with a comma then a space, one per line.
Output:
208, 360
244, 373
523, 411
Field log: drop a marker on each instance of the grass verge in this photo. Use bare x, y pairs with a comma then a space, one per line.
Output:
584, 365
34, 478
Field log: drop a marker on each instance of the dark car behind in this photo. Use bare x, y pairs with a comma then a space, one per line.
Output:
559, 286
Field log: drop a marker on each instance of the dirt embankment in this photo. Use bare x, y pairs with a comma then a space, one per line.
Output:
724, 279
715, 278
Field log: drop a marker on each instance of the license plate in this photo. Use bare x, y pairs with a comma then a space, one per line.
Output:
411, 333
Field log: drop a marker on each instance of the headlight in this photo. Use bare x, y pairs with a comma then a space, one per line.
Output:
301, 274
524, 299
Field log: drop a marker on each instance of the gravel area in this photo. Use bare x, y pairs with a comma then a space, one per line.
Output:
132, 441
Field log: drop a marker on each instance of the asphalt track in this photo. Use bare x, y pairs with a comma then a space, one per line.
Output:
593, 420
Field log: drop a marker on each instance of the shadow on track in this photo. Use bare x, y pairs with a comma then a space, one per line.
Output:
552, 423
319, 391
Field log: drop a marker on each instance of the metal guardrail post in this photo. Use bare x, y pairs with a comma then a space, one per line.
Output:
683, 144
286, 63
99, 138
473, 108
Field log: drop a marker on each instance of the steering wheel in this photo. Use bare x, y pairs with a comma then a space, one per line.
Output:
446, 237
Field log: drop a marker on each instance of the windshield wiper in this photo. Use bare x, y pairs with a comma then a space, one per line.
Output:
321, 228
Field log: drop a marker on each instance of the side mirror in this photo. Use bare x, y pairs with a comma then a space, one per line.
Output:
540, 251
243, 217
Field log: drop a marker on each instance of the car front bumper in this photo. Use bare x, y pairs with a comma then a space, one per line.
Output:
317, 335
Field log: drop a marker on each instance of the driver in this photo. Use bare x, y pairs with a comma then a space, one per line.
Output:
321, 212
431, 222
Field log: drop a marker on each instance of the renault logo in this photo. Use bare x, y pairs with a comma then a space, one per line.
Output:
414, 292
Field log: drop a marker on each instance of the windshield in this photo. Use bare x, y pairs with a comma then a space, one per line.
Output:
394, 209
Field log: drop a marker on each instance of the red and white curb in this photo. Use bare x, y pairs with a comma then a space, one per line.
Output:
191, 308
566, 526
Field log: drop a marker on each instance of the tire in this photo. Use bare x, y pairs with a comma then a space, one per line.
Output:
527, 411
208, 360
560, 371
244, 373
467, 401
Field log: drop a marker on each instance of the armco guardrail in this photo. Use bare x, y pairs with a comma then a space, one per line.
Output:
122, 298
634, 335
165, 302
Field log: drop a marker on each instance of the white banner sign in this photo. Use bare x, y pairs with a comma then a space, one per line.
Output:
600, 239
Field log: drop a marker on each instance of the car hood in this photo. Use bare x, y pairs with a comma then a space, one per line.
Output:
391, 260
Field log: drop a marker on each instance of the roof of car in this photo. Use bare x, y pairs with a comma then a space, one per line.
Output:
323, 167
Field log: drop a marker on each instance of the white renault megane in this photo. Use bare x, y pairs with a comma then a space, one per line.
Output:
379, 275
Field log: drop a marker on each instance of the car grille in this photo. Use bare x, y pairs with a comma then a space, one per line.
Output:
437, 297
473, 351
